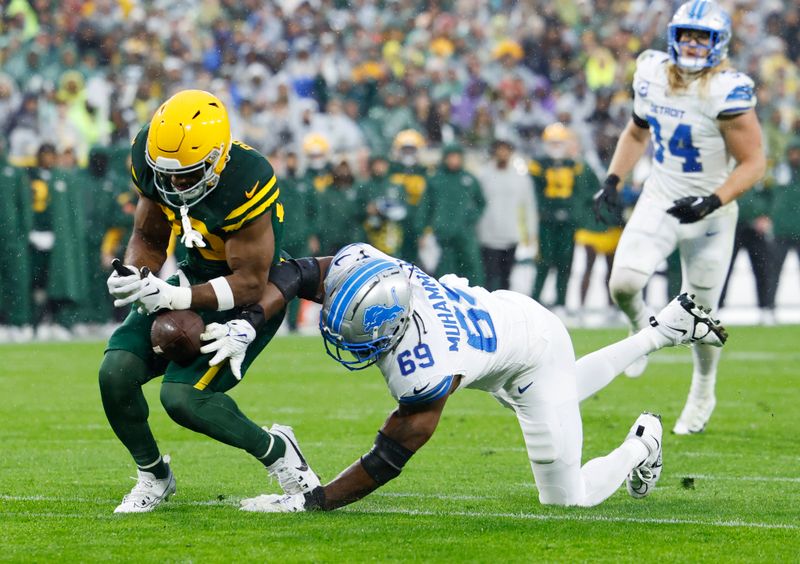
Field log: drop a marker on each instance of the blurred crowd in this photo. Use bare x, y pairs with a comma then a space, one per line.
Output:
364, 104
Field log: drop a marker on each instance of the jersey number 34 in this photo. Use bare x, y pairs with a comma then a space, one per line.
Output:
680, 145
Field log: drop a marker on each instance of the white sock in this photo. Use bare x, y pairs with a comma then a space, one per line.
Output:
704, 376
603, 476
598, 369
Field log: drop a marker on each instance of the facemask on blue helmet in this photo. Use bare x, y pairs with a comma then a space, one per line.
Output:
365, 312
704, 16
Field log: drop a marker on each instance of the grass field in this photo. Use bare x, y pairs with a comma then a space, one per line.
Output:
467, 496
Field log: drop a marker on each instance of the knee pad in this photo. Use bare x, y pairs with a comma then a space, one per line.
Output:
625, 282
542, 442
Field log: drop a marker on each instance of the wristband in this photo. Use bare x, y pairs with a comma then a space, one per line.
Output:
223, 292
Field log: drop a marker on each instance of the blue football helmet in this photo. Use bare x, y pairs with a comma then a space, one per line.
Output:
702, 15
366, 311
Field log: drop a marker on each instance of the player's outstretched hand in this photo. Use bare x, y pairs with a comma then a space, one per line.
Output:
273, 503
228, 340
606, 198
124, 281
694, 208
156, 294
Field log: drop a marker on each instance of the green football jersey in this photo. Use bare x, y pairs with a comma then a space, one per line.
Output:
247, 190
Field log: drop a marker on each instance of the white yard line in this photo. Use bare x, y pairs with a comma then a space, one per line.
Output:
417, 512
738, 356
581, 518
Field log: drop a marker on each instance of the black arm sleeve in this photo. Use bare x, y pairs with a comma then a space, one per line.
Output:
386, 459
642, 123
296, 278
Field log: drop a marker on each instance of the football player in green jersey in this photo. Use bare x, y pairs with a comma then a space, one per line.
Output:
220, 197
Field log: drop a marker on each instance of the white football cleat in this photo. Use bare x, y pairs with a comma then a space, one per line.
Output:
684, 322
292, 470
272, 503
642, 479
695, 416
148, 492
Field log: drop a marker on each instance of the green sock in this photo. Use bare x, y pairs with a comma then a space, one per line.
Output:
158, 468
276, 448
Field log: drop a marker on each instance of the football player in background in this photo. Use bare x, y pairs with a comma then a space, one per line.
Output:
407, 171
431, 338
221, 198
698, 112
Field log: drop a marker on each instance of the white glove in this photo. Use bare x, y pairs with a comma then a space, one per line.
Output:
121, 286
229, 340
273, 503
42, 240
155, 294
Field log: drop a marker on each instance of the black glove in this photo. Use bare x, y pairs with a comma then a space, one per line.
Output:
607, 197
694, 208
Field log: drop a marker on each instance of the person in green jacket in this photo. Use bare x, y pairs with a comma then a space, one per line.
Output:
97, 187
555, 178
339, 211
385, 209
15, 276
785, 205
296, 199
317, 178
56, 244
456, 204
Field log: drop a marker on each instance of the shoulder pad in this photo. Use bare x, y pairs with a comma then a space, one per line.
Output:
649, 64
251, 187
733, 93
653, 56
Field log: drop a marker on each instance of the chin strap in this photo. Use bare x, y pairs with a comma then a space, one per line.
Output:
191, 237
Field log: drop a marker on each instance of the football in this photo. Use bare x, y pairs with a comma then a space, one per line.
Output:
175, 335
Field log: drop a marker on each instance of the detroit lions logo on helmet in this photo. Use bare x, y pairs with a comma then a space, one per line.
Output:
378, 314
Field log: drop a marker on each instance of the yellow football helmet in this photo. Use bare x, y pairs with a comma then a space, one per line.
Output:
316, 144
316, 148
558, 141
407, 145
556, 132
188, 145
409, 138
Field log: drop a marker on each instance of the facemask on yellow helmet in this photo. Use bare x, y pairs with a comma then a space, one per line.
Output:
188, 146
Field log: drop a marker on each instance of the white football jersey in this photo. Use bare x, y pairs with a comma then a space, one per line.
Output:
456, 330
690, 158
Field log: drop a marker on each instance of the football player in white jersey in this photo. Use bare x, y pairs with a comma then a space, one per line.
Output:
432, 337
699, 114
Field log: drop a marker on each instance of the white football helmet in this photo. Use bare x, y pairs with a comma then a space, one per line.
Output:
366, 311
702, 15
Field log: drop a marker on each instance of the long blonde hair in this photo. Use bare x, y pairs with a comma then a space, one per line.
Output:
678, 81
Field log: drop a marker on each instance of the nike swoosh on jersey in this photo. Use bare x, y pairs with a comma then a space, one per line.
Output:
422, 389
523, 389
711, 233
249, 193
